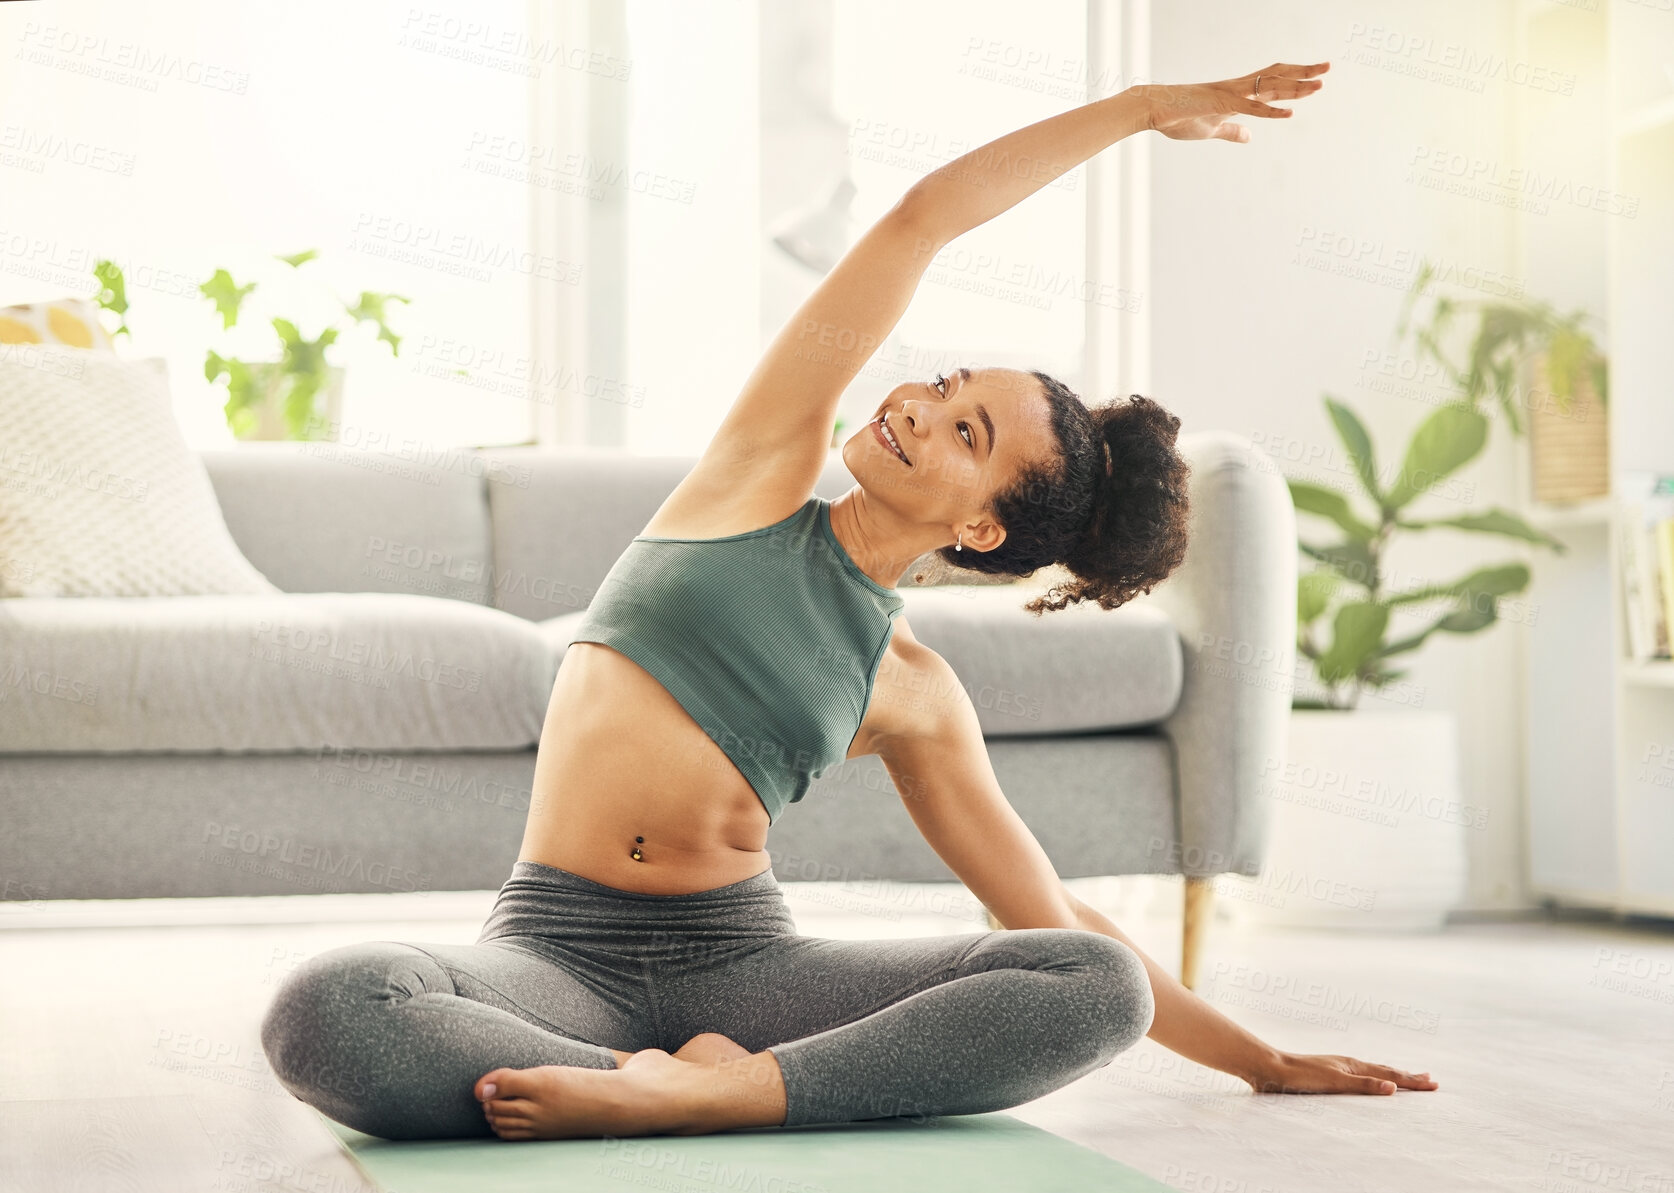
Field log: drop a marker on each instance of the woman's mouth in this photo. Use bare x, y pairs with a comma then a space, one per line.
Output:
886, 436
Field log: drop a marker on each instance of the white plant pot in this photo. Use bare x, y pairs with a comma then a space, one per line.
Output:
1365, 825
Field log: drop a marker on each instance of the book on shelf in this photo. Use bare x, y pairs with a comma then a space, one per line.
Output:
1646, 551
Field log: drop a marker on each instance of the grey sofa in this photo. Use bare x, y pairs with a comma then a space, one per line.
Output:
373, 727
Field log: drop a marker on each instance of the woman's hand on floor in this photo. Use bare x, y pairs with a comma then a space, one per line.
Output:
1295, 1073
1203, 111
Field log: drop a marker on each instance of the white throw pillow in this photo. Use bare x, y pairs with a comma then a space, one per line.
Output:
99, 494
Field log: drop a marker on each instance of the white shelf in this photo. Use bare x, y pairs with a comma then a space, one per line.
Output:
1600, 825
1595, 511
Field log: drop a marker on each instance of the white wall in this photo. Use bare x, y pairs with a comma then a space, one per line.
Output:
1277, 272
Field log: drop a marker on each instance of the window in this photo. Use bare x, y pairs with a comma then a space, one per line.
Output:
392, 138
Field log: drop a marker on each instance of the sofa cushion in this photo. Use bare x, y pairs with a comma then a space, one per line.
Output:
72, 322
1082, 669
374, 671
99, 494
325, 517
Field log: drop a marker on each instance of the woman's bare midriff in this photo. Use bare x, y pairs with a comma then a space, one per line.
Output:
620, 760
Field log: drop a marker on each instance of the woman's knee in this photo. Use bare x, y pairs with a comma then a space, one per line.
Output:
321, 1018
1111, 1005
1126, 1004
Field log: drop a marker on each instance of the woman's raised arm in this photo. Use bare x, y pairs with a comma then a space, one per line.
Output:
973, 189
769, 451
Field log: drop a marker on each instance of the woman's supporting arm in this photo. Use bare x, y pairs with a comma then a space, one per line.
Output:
1187, 1024
993, 178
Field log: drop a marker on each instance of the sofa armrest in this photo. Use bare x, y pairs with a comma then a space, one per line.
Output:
1233, 601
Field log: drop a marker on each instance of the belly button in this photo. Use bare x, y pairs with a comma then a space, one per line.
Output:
636, 855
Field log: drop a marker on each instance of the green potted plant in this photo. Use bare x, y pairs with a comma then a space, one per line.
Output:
1350, 584
1523, 352
1370, 799
297, 395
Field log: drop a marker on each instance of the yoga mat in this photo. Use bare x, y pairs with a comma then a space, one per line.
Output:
973, 1153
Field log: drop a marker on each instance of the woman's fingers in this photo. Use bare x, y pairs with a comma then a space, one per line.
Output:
1410, 1080
1400, 1077
1298, 72
1279, 87
1254, 107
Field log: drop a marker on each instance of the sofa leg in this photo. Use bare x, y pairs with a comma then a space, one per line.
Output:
1200, 900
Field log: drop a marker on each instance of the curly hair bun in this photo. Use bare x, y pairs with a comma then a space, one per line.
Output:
1136, 534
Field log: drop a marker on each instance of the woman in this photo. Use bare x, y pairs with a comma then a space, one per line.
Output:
640, 973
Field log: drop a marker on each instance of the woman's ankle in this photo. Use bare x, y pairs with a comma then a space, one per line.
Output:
732, 1093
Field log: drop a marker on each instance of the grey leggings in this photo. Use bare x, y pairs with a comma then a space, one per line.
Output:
391, 1038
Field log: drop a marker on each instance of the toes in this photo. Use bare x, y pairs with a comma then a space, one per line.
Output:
505, 1083
502, 1111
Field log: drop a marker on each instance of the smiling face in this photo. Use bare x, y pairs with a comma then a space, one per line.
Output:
958, 439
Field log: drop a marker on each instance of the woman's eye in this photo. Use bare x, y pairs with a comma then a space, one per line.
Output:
970, 439
941, 383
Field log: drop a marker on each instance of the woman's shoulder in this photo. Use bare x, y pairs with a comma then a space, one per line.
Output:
914, 692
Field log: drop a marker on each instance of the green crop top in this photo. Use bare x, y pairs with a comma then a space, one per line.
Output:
770, 639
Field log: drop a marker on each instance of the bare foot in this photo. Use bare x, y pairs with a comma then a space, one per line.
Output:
711, 1084
710, 1047
565, 1102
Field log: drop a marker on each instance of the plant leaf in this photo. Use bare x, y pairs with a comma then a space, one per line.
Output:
297, 260
1468, 621
1351, 560
1494, 521
113, 294
1411, 642
1359, 445
226, 296
370, 308
1500, 580
1328, 503
1357, 633
244, 394
1450, 437
299, 404
1314, 591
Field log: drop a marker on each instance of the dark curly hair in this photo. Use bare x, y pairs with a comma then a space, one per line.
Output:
1120, 533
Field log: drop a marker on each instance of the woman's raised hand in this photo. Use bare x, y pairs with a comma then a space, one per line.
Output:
1202, 111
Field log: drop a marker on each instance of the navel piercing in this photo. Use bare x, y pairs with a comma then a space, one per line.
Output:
636, 855
959, 544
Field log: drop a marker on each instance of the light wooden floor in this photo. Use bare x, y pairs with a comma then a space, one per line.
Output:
129, 1058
